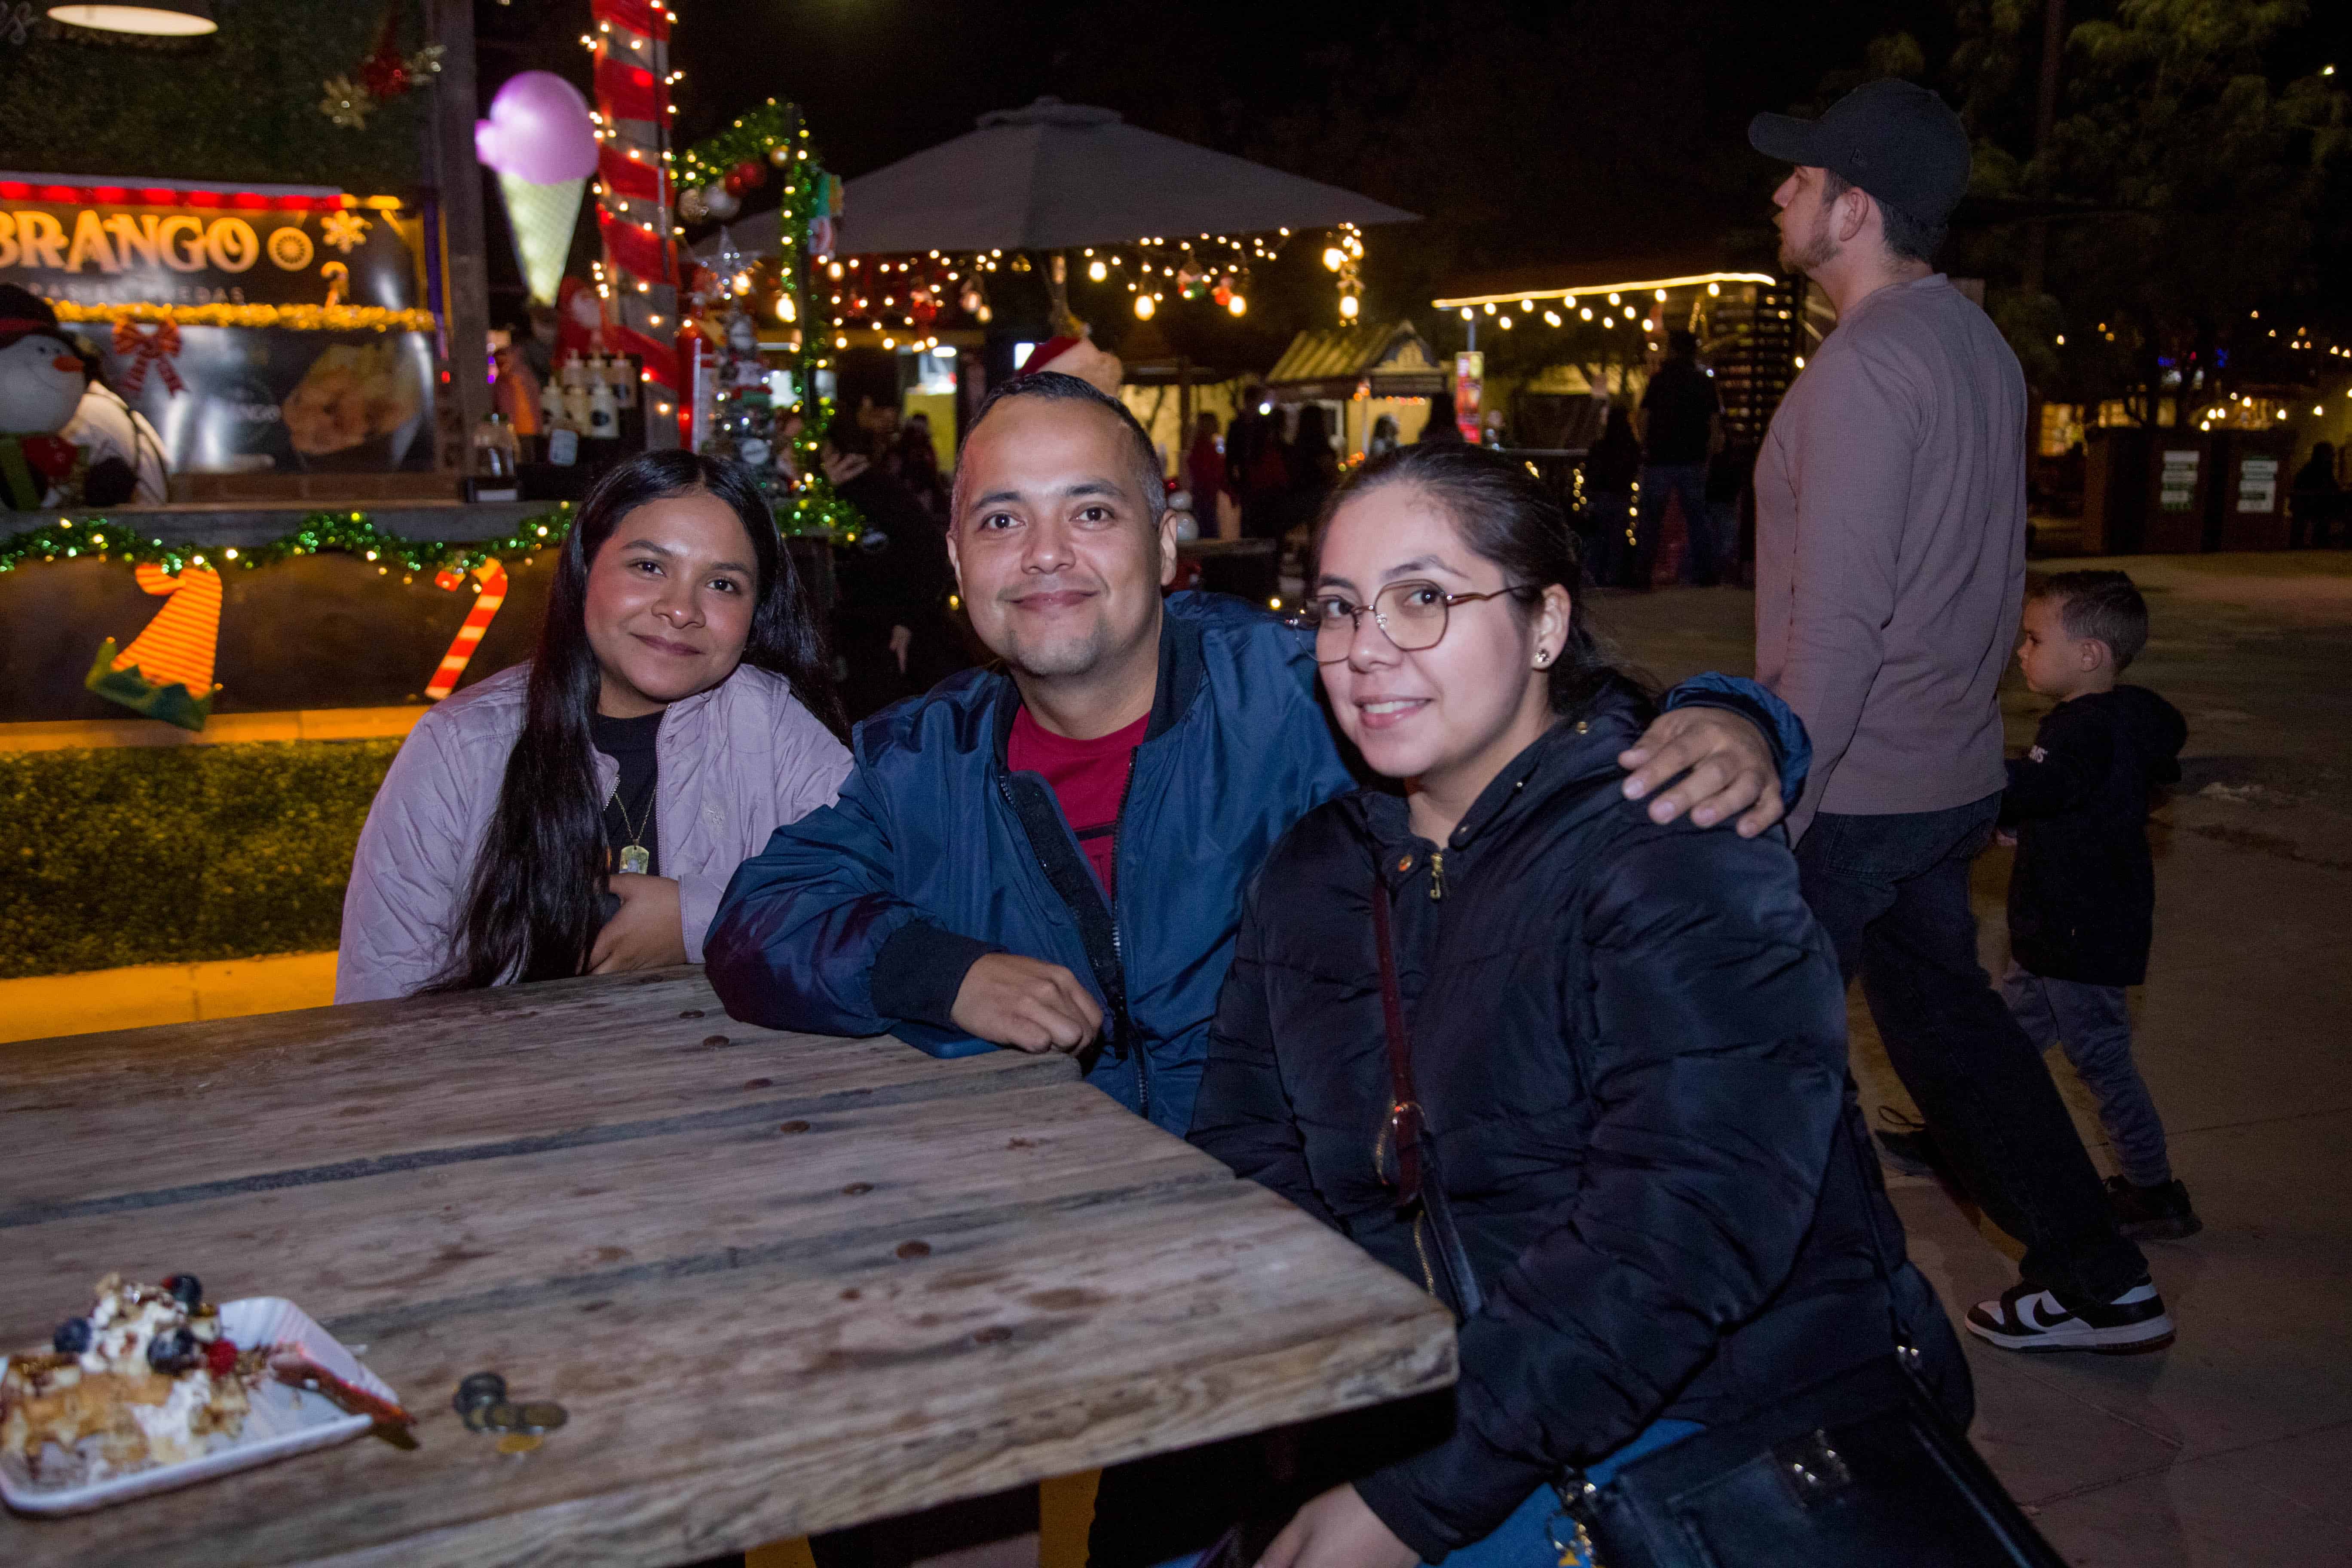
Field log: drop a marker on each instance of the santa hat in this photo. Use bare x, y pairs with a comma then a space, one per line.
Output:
1042, 356
25, 314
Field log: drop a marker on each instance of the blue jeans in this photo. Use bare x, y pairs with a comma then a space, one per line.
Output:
1526, 1540
1892, 891
2094, 1025
1687, 480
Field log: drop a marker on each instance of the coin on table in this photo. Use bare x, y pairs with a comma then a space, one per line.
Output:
502, 1416
544, 1417
518, 1443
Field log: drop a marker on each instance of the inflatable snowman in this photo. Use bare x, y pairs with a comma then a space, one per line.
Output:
66, 439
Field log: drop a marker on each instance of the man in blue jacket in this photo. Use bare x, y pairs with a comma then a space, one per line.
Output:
1050, 854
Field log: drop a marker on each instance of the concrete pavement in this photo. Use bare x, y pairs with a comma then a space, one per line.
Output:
2235, 1446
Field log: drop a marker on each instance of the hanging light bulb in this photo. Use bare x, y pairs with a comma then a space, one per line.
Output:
1348, 306
1334, 258
1096, 271
1237, 305
1144, 307
785, 312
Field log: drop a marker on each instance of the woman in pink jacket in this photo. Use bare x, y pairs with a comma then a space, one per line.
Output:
582, 813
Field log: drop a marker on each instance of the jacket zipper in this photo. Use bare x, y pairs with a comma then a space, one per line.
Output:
1118, 947
1436, 875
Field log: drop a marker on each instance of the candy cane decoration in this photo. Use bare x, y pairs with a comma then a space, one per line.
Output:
478, 620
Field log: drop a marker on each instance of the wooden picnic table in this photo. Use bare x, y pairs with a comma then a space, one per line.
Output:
782, 1283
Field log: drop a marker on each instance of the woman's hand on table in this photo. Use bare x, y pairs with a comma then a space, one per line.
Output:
1025, 1003
1338, 1529
1725, 763
647, 932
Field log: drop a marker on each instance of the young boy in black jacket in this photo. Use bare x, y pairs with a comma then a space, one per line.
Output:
2082, 897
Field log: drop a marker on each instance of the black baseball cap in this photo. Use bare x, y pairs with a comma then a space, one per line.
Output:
1897, 139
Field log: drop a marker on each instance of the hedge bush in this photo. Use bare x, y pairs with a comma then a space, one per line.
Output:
156, 855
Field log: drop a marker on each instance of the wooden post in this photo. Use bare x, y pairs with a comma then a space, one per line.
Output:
462, 389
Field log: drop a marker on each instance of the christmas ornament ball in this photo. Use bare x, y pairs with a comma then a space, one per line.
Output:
779, 156
749, 175
692, 207
720, 202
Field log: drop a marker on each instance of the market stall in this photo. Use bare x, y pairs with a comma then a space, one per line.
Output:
1592, 330
1360, 375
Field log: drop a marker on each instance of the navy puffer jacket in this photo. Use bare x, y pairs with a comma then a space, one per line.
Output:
1629, 1044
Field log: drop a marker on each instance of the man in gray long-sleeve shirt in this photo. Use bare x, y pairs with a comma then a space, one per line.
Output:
1890, 561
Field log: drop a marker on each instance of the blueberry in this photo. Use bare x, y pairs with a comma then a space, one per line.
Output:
73, 1336
187, 1288
174, 1352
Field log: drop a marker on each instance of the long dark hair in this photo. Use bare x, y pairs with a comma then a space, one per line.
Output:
1506, 516
530, 910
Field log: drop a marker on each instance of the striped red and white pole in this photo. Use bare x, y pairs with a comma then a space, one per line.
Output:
493, 594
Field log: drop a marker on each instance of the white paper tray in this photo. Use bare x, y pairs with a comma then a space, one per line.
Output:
283, 1420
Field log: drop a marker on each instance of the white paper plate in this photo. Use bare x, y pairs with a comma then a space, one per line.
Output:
284, 1420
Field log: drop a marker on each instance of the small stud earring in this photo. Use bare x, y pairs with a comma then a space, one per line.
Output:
1542, 658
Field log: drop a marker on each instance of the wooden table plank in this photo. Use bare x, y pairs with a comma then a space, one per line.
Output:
685, 1203
818, 1390
85, 1117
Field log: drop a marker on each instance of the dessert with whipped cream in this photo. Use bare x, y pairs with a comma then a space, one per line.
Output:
145, 1377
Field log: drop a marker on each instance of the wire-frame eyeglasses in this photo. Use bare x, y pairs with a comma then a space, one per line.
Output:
1411, 615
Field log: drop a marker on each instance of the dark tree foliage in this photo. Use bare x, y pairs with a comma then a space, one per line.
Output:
2198, 167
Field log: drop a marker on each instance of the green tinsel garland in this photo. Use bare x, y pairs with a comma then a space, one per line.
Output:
348, 532
351, 533
806, 194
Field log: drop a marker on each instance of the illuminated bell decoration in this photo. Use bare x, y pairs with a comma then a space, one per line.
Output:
1348, 306
1334, 258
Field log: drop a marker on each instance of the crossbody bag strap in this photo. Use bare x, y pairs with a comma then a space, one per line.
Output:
1404, 1107
1416, 1173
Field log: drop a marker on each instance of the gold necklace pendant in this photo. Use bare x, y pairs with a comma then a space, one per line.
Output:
635, 858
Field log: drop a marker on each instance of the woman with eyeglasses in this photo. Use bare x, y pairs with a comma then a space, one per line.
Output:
582, 813
1610, 1124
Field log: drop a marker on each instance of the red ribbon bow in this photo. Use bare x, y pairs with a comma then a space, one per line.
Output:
158, 347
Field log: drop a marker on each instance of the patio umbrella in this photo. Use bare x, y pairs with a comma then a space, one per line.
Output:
1058, 175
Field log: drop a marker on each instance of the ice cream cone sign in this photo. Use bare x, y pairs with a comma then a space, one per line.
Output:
541, 143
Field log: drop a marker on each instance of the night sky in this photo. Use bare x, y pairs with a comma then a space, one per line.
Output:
1590, 130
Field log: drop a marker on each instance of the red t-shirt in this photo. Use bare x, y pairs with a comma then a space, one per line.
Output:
1088, 780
